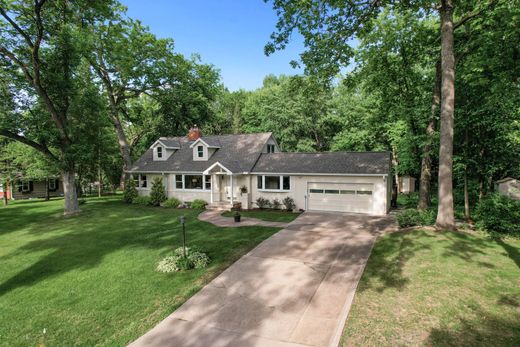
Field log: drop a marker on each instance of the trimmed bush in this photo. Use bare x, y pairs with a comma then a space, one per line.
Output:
130, 192
412, 217
157, 192
172, 203
498, 213
195, 259
142, 200
198, 204
263, 203
289, 204
276, 204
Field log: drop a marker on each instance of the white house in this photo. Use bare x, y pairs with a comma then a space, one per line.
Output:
241, 168
509, 187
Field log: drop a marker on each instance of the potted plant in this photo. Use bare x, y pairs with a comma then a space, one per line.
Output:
236, 216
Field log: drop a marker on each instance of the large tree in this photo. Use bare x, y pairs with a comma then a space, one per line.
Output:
41, 45
328, 28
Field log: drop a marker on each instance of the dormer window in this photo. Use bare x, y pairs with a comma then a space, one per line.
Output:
271, 148
200, 151
159, 152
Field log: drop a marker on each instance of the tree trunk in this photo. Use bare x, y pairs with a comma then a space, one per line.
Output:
426, 163
445, 215
466, 197
100, 183
124, 149
6, 191
47, 192
69, 192
395, 162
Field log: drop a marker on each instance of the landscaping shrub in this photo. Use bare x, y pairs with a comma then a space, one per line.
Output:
289, 204
157, 192
130, 192
195, 258
172, 203
412, 217
276, 204
142, 200
198, 204
498, 213
263, 203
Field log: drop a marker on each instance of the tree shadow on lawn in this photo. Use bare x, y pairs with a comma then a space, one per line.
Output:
486, 329
83, 241
392, 251
512, 251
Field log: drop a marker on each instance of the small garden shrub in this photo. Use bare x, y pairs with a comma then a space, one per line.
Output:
289, 204
498, 213
198, 204
263, 203
130, 192
172, 203
157, 192
195, 259
412, 217
276, 204
142, 200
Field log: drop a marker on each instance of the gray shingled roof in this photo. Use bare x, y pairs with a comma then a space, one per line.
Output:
171, 142
238, 153
325, 162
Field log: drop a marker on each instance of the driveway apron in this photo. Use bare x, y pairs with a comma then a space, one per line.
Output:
293, 289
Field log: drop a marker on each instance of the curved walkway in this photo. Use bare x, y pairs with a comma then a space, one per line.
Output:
215, 217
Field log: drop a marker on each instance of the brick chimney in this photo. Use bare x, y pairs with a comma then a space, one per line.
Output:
194, 133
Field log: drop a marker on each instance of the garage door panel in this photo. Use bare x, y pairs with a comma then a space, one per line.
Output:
343, 197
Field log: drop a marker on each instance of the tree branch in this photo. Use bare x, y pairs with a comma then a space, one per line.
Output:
16, 27
40, 147
467, 17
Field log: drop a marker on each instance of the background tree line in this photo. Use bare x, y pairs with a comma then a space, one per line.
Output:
86, 90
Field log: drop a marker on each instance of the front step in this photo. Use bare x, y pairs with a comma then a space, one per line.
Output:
219, 206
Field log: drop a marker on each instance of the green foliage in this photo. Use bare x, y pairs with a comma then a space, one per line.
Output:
289, 204
276, 204
130, 192
142, 200
157, 192
198, 204
498, 213
263, 203
195, 259
172, 203
412, 217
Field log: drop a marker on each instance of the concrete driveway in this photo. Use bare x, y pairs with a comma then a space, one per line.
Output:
293, 289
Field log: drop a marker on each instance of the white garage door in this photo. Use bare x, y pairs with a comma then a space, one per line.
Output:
343, 197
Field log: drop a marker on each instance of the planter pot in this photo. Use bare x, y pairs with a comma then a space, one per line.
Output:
237, 218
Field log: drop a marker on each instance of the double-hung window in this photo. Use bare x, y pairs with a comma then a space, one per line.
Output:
179, 181
200, 151
159, 152
143, 181
274, 183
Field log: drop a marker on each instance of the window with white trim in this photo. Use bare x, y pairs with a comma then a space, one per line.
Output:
24, 186
274, 183
271, 148
159, 152
143, 183
200, 151
192, 182
52, 184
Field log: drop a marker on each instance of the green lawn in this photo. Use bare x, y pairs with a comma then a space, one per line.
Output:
267, 215
90, 280
438, 289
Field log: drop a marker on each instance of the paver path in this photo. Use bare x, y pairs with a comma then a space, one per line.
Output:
293, 289
215, 217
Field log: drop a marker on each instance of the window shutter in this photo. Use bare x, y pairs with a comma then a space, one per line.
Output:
19, 187
31, 186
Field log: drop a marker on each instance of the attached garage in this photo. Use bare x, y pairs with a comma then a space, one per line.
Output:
341, 197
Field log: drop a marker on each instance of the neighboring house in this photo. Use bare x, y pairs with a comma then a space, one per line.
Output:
2, 192
509, 187
407, 184
31, 189
241, 168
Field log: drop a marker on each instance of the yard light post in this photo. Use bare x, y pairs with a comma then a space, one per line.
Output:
183, 223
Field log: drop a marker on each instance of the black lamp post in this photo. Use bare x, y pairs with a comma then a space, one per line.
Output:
183, 223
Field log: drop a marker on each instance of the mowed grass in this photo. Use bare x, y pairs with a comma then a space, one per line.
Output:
90, 279
438, 289
267, 215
